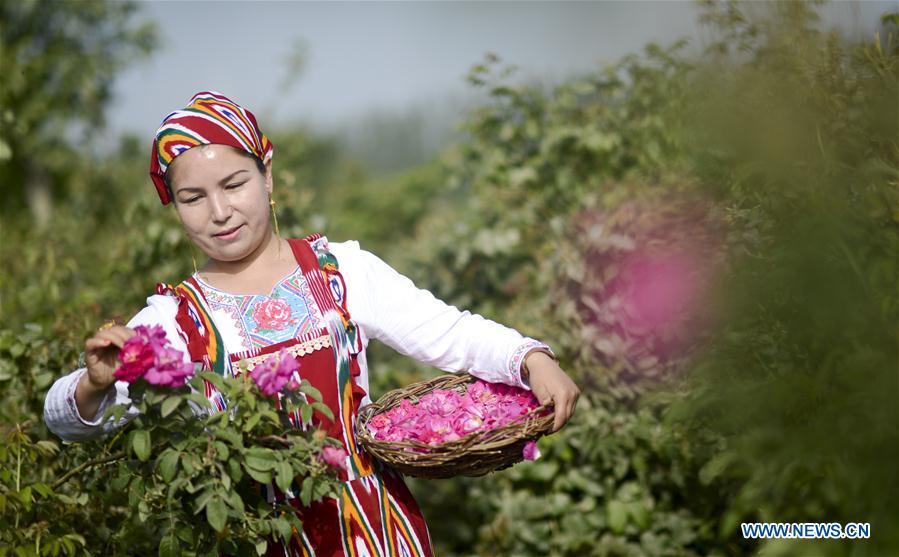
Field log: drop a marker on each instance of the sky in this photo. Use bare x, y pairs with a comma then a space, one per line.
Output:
364, 57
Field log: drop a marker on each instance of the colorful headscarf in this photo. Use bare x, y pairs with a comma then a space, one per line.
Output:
210, 117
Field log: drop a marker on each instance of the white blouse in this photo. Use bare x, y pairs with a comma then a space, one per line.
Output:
385, 305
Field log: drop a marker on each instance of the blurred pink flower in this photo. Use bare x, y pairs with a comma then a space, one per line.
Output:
334, 457
659, 290
275, 372
531, 452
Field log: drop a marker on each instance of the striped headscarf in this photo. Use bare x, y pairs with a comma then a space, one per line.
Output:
210, 117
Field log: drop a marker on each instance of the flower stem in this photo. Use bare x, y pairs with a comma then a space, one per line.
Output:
113, 457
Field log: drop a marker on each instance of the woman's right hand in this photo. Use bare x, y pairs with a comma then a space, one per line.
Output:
101, 352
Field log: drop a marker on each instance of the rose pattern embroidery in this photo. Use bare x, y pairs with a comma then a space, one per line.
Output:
273, 314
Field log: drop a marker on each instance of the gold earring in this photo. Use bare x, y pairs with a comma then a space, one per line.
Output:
271, 202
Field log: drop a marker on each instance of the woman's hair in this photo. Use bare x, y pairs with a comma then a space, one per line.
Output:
167, 177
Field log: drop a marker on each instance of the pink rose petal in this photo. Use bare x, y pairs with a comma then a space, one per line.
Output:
531, 452
334, 457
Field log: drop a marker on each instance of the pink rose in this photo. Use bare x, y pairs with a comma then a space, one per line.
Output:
148, 355
154, 335
170, 369
378, 424
334, 457
137, 356
469, 421
437, 430
478, 391
275, 372
273, 314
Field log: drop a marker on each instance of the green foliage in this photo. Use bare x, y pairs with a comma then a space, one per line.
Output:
169, 470
789, 412
58, 60
801, 380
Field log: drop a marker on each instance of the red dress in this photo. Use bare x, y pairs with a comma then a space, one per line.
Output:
374, 514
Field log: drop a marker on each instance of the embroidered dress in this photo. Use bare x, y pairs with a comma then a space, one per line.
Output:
374, 513
308, 313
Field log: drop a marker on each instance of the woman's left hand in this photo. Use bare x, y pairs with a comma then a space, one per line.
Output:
550, 383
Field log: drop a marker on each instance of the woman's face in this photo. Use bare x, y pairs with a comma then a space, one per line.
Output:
222, 200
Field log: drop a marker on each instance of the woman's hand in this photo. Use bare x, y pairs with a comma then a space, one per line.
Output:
550, 383
100, 352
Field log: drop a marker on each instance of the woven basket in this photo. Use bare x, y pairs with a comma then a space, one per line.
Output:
475, 454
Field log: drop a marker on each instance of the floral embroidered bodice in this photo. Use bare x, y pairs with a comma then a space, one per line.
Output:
288, 311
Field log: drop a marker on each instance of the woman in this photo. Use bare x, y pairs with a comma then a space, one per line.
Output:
259, 293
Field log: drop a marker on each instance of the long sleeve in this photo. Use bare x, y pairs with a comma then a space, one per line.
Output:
60, 411
389, 307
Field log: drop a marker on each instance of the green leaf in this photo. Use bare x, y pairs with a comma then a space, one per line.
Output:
235, 502
306, 491
251, 422
261, 459
169, 547
42, 380
261, 546
216, 514
261, 477
307, 389
715, 467
284, 475
306, 414
43, 489
617, 516
17, 349
234, 470
168, 465
47, 447
729, 523
230, 436
221, 450
217, 381
200, 400
169, 405
323, 408
203, 500
136, 491
283, 528
140, 442
188, 465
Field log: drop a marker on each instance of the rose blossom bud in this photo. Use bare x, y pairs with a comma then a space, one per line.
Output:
334, 457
